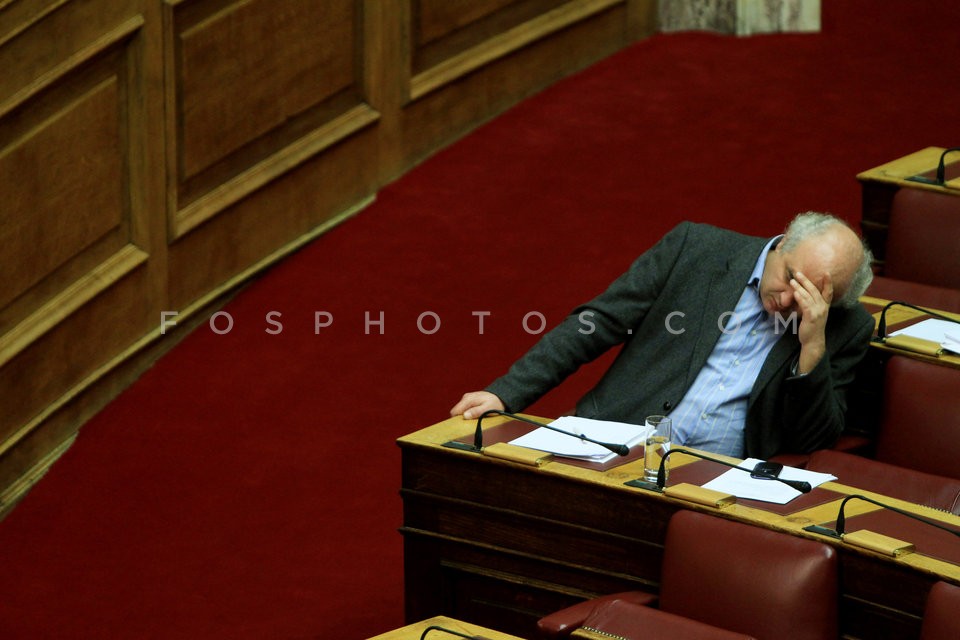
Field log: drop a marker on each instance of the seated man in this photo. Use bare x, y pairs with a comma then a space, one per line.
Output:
747, 343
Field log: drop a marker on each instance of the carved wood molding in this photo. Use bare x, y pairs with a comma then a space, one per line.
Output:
209, 205
503, 44
68, 300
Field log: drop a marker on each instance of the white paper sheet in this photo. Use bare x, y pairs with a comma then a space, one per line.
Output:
932, 329
570, 445
740, 484
951, 342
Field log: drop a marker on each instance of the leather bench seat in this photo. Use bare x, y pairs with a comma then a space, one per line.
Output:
935, 491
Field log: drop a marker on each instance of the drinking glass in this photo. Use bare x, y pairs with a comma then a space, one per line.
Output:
656, 444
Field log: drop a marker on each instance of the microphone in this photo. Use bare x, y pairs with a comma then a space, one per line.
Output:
941, 167
882, 323
941, 173
450, 631
619, 449
800, 485
841, 518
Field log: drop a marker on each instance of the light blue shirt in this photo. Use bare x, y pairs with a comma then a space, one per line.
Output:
713, 412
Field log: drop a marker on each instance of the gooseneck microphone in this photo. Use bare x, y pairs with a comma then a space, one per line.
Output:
841, 518
940, 178
942, 167
882, 322
619, 449
800, 485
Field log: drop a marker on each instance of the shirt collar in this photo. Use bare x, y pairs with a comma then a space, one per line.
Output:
754, 279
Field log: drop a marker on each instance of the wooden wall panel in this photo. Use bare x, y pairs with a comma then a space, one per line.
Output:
46, 150
154, 154
264, 95
250, 68
434, 19
75, 220
257, 87
442, 30
469, 72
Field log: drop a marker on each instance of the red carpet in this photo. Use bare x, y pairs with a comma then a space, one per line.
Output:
246, 486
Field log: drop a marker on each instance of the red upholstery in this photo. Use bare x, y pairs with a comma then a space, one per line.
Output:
631, 621
737, 577
899, 482
922, 238
921, 265
749, 579
850, 443
940, 619
916, 293
921, 417
561, 623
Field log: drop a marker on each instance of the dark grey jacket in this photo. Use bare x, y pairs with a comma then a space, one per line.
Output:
698, 271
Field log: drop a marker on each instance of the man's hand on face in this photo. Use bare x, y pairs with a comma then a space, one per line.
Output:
813, 304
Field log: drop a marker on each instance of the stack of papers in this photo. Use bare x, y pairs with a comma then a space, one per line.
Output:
569, 444
943, 332
951, 343
740, 484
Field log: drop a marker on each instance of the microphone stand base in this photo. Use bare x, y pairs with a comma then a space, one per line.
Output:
462, 446
643, 484
815, 528
924, 180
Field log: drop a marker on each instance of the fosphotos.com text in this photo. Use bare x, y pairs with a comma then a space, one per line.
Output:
430, 322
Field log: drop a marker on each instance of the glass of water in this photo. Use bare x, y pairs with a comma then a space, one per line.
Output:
656, 444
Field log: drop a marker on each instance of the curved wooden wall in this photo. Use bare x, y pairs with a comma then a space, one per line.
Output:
154, 153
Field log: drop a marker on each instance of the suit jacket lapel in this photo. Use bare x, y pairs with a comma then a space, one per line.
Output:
724, 286
784, 351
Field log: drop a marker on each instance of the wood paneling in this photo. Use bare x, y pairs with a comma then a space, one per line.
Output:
257, 88
248, 69
156, 153
88, 172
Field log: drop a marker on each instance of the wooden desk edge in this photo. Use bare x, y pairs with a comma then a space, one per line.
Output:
433, 437
415, 630
897, 171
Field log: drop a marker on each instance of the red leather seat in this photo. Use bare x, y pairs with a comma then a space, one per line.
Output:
735, 577
911, 485
940, 619
623, 619
921, 265
922, 238
920, 426
916, 293
918, 442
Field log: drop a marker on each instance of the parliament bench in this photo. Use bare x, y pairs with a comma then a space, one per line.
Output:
921, 265
916, 454
721, 579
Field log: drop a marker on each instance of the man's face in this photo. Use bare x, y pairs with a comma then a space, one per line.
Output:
776, 292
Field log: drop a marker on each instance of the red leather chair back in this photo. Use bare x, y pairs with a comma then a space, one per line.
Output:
923, 238
916, 293
748, 579
940, 619
920, 428
911, 485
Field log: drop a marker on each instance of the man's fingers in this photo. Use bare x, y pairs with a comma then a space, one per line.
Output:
827, 291
806, 290
473, 404
465, 403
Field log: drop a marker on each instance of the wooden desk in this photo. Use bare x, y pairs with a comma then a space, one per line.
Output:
415, 630
878, 185
500, 543
898, 317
